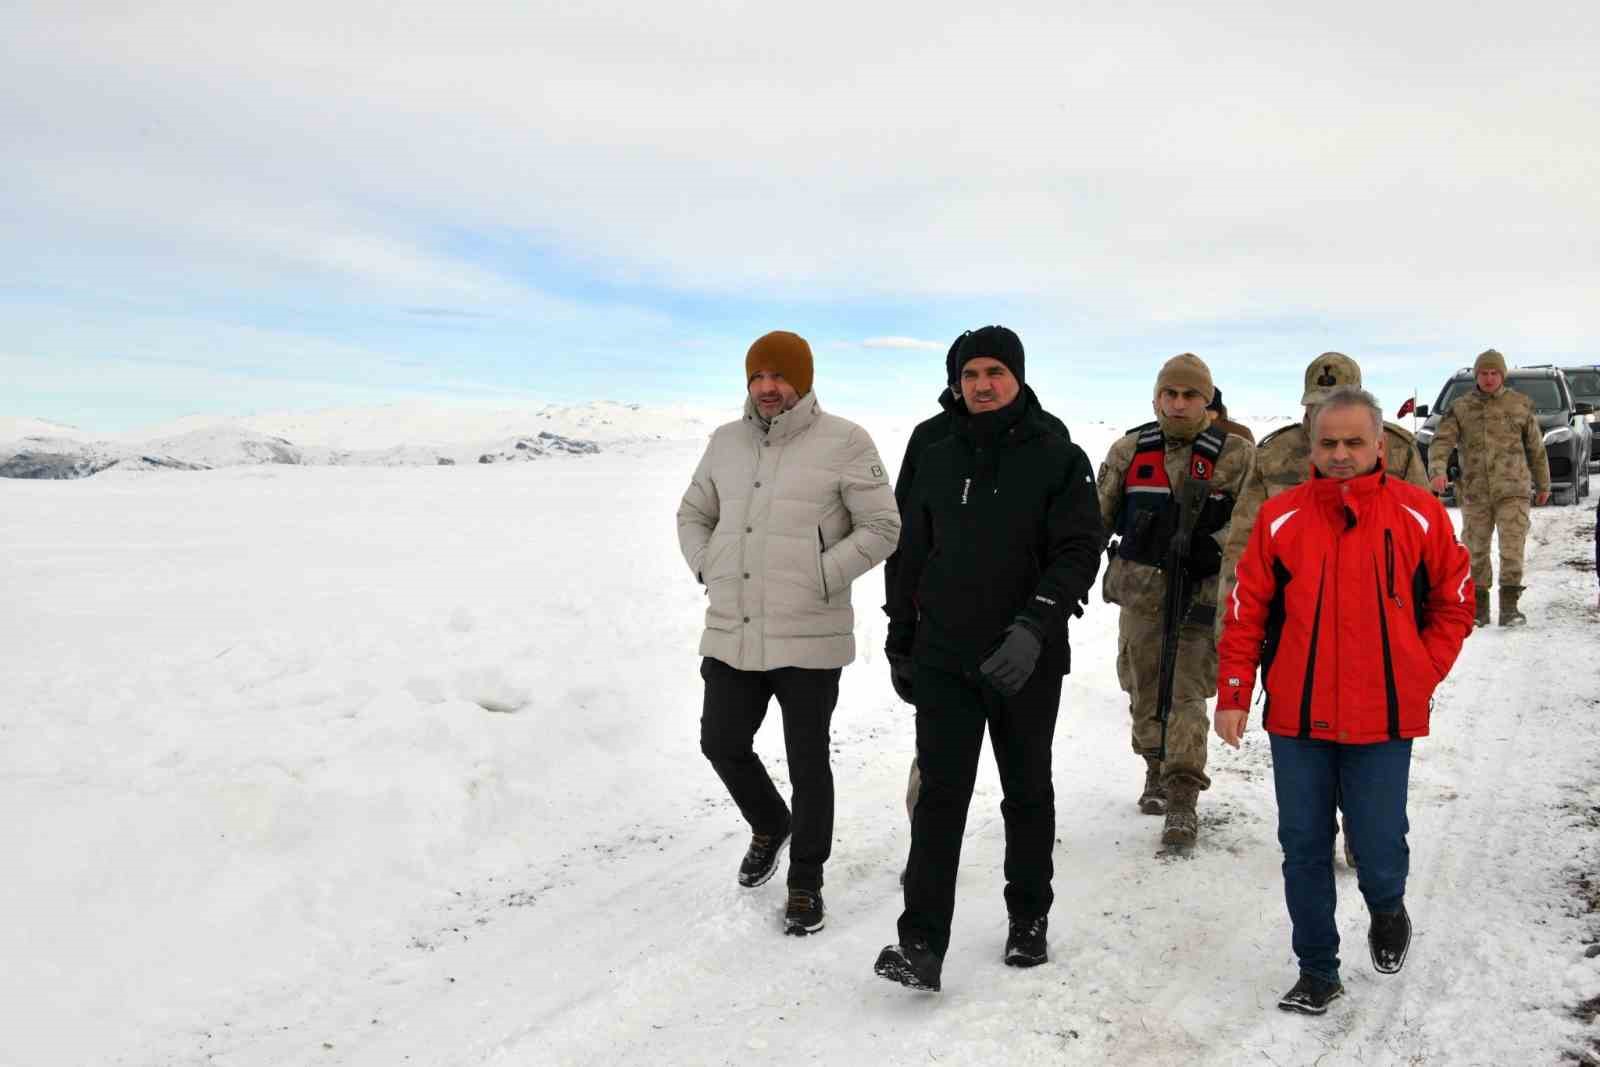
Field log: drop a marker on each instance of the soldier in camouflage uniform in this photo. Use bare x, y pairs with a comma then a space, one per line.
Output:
1138, 485
1283, 458
1496, 435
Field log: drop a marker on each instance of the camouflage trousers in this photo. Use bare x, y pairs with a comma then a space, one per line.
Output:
1139, 673
1479, 521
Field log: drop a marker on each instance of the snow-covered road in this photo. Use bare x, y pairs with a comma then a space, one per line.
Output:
342, 766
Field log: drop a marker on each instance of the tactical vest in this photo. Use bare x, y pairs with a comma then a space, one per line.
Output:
1149, 513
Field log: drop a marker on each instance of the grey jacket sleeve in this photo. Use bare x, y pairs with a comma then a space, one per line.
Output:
698, 514
874, 515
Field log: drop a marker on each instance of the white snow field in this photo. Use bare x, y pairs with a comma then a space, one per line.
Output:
381, 766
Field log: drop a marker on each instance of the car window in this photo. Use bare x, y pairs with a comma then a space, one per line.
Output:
1544, 392
1452, 389
1584, 382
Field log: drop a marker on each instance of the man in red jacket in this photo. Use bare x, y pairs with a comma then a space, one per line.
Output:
1354, 597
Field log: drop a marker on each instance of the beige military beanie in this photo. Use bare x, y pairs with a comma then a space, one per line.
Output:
1327, 372
1186, 371
1490, 360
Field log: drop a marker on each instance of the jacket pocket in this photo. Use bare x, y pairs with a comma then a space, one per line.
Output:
822, 571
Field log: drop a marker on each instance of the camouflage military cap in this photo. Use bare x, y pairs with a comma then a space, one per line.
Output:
1329, 371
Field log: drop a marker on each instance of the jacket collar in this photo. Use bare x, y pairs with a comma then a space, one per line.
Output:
1350, 498
786, 425
950, 403
1018, 420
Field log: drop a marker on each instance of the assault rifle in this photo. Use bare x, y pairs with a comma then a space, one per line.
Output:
1176, 601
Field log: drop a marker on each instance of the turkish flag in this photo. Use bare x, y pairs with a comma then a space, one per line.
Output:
1407, 408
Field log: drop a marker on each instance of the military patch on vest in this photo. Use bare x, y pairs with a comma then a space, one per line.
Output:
877, 471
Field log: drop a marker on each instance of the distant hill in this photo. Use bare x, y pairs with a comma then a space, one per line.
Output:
400, 435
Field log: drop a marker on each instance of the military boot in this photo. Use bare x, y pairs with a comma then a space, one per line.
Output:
1482, 617
1153, 801
1509, 615
1183, 825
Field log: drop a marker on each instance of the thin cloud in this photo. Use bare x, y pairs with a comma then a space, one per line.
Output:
901, 343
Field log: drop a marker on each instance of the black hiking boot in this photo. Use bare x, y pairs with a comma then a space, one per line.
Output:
914, 966
1389, 938
1311, 995
803, 914
1025, 944
1153, 800
761, 858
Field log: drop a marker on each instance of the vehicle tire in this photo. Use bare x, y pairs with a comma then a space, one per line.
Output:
1583, 486
1565, 497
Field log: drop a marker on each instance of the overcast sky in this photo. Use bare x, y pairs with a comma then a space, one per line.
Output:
237, 207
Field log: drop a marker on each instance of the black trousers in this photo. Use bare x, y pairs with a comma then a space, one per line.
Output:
735, 704
952, 712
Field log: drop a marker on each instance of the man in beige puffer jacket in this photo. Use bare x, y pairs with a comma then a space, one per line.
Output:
787, 507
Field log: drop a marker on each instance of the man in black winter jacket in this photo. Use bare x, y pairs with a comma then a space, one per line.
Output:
1000, 543
927, 433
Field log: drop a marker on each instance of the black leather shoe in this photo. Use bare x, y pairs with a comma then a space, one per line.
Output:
1025, 944
1389, 938
1311, 995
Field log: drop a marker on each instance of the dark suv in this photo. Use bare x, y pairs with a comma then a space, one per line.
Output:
1568, 439
1585, 385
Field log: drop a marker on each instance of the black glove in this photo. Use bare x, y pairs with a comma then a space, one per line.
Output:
1205, 557
901, 671
1011, 661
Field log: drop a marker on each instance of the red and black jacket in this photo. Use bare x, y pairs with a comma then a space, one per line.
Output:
1354, 597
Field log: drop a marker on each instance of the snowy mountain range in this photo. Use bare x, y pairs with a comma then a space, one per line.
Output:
401, 435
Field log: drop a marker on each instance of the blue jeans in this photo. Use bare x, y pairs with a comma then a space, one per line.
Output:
1309, 777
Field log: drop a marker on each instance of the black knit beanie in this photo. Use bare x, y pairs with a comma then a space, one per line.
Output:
995, 342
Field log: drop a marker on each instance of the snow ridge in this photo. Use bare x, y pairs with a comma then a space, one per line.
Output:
414, 435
